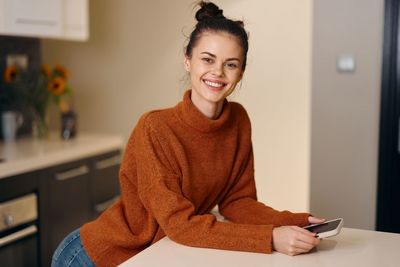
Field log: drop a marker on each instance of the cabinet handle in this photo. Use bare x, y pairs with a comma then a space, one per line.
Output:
61, 176
18, 235
108, 162
104, 205
50, 23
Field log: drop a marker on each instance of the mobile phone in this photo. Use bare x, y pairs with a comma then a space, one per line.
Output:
326, 229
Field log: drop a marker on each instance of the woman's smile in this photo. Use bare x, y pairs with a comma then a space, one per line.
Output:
214, 85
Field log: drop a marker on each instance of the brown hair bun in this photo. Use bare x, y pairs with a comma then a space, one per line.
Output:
209, 10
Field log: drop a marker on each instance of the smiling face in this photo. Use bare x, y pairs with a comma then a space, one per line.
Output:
215, 68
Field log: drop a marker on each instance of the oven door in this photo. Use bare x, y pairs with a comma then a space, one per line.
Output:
19, 232
20, 248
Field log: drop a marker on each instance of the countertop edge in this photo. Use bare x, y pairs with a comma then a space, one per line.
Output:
102, 144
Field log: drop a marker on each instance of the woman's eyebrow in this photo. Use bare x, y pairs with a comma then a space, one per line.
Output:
210, 54
214, 56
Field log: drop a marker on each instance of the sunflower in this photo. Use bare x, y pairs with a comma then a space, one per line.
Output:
57, 86
10, 74
61, 70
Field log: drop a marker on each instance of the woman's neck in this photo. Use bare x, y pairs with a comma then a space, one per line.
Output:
211, 110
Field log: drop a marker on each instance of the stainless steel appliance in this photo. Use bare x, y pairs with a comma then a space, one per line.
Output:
19, 232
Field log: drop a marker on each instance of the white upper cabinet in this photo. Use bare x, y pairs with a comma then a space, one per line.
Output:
41, 18
65, 19
76, 19
2, 20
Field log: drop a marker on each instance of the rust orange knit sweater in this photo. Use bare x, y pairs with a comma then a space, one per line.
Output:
177, 166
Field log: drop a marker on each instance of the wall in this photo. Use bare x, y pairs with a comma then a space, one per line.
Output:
276, 91
345, 110
133, 63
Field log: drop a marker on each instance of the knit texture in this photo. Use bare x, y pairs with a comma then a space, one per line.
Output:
178, 165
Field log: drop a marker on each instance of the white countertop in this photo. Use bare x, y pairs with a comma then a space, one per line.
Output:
29, 154
352, 247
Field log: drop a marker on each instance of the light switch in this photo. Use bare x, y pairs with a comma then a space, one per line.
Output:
346, 63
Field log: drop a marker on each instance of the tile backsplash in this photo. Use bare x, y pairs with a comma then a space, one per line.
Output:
12, 45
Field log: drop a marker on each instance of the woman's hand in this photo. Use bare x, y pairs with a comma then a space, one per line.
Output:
293, 240
314, 220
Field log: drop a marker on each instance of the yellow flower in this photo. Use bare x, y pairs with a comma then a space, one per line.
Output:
46, 70
10, 74
61, 70
57, 86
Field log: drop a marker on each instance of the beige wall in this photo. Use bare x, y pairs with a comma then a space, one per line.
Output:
276, 92
345, 110
132, 63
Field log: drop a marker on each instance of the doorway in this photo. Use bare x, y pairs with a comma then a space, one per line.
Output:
388, 206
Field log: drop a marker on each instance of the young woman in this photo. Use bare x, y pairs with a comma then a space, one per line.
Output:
183, 161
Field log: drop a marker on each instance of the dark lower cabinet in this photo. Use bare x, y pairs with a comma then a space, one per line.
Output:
66, 197
104, 188
65, 203
75, 193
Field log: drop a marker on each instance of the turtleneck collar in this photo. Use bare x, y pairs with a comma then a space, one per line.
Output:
193, 117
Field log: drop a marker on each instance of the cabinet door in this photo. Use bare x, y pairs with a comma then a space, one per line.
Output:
66, 204
42, 18
18, 185
104, 182
75, 20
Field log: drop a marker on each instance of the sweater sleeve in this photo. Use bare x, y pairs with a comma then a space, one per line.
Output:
160, 192
240, 204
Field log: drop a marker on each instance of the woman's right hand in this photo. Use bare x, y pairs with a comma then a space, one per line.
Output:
293, 240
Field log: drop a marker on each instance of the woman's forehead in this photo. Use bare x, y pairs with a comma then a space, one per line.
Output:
219, 42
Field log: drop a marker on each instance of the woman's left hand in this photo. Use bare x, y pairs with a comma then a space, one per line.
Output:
315, 220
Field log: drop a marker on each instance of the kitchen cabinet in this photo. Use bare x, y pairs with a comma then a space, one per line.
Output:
74, 193
19, 242
65, 204
73, 181
104, 188
75, 20
19, 185
33, 17
60, 19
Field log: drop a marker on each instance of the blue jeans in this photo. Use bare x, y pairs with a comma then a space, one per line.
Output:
71, 253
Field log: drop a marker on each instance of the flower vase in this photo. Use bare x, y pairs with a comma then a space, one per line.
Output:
40, 127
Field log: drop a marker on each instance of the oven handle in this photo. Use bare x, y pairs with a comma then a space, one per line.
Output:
18, 235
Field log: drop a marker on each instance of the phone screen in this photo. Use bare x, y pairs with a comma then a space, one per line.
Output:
324, 227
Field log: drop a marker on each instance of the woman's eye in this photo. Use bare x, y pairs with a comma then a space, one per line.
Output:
232, 65
207, 60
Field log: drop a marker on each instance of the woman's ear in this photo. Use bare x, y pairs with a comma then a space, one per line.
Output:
186, 62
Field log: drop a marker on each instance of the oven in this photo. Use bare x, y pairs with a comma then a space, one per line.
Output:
19, 231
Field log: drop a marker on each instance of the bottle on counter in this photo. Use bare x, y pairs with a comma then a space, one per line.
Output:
68, 119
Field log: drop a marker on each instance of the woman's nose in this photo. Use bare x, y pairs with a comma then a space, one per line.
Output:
218, 70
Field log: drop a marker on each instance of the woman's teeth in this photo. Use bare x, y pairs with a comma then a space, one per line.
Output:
213, 84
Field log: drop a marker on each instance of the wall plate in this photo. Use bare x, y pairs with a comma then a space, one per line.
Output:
19, 60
